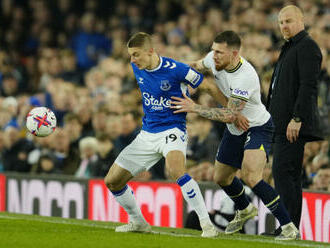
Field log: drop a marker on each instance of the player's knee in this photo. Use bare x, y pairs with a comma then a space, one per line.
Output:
250, 178
108, 182
223, 180
112, 183
175, 167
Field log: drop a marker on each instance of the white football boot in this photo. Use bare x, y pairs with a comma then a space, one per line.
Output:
134, 227
209, 230
289, 232
241, 217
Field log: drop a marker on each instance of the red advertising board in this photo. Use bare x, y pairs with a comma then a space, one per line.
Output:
2, 192
161, 203
315, 217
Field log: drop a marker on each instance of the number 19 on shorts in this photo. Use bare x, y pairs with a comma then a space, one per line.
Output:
170, 138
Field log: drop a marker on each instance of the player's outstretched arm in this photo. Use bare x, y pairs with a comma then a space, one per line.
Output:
187, 105
198, 65
210, 87
216, 114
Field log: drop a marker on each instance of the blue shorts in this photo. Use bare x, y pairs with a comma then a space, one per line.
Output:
232, 147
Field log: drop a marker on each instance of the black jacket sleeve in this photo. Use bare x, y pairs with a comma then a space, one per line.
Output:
309, 60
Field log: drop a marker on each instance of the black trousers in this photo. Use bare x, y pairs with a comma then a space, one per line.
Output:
287, 173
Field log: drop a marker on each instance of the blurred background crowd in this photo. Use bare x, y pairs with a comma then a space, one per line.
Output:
71, 56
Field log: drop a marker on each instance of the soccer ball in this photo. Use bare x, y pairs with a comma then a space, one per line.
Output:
41, 121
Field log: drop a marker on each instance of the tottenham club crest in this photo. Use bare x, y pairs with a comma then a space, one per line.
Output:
165, 85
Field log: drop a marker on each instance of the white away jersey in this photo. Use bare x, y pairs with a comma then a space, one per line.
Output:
243, 83
157, 86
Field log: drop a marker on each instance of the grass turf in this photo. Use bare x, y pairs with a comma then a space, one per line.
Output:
31, 231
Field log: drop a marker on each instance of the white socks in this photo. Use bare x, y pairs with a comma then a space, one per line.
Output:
127, 200
193, 196
190, 191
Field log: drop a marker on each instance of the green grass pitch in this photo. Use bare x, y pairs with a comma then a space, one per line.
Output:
31, 231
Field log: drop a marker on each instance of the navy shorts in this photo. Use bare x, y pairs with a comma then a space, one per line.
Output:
232, 147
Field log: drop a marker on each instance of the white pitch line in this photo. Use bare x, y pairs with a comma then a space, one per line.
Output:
269, 241
242, 238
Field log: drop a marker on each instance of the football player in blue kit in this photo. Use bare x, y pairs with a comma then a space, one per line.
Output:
163, 134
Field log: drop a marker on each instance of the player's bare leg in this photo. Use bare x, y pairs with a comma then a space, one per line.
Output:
224, 175
117, 177
175, 165
252, 170
116, 180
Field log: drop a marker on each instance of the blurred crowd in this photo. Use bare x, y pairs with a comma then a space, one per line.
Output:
71, 56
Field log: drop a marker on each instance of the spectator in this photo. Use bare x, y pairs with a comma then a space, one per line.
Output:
130, 129
42, 146
321, 158
99, 120
90, 165
70, 72
114, 126
88, 45
15, 154
10, 85
84, 111
321, 181
106, 151
66, 160
5, 117
46, 165
74, 129
10, 105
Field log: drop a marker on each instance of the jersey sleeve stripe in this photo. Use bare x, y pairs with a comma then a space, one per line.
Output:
239, 97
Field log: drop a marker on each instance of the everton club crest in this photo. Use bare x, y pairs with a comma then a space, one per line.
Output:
165, 85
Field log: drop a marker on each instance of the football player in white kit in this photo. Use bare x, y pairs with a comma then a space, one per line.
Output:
245, 150
163, 134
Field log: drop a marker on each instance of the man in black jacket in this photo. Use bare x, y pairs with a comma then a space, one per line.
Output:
292, 102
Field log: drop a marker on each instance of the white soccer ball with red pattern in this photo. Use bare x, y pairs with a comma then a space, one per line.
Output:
41, 121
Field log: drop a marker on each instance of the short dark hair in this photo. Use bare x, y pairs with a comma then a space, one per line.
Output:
139, 40
230, 37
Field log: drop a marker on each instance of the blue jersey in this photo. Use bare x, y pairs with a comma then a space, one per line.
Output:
157, 86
